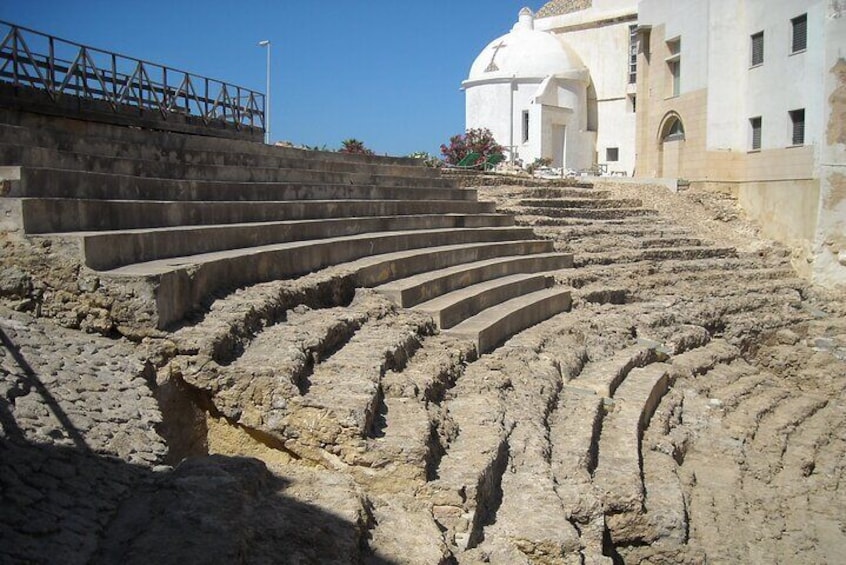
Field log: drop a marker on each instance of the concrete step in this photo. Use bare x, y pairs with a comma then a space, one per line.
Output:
453, 308
180, 284
44, 215
584, 213
111, 249
580, 203
81, 136
40, 148
411, 291
64, 160
494, 325
57, 183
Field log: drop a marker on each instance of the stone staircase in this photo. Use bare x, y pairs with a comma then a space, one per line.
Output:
167, 222
670, 390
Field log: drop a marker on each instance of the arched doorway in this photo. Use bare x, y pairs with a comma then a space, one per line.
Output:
671, 138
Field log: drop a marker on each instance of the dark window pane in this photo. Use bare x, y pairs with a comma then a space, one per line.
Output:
758, 48
797, 117
755, 123
800, 33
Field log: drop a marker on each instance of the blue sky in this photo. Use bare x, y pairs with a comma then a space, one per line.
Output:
387, 72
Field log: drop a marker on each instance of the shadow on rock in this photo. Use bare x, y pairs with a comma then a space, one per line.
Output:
59, 501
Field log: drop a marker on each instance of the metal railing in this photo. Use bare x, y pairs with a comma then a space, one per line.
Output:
63, 68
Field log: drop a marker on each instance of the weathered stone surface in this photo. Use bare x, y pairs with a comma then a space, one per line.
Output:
345, 429
220, 509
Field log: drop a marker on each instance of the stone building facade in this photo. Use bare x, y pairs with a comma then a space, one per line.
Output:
743, 96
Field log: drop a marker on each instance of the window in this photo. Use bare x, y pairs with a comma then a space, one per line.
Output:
612, 154
797, 119
800, 33
755, 130
673, 129
632, 105
525, 126
633, 42
758, 49
674, 66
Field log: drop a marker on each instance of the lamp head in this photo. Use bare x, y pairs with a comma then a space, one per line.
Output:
264, 43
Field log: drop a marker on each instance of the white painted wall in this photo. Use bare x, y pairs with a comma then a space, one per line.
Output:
604, 49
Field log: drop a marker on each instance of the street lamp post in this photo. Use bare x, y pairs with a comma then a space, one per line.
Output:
266, 43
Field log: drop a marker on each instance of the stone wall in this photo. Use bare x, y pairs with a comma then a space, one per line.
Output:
559, 7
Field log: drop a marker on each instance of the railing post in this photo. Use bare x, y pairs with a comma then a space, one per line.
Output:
15, 54
51, 65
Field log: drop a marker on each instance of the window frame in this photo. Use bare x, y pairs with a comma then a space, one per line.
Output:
634, 42
673, 63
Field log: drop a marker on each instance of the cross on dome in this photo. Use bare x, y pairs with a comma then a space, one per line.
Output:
492, 67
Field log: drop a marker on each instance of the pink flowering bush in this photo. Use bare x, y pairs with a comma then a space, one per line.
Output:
478, 140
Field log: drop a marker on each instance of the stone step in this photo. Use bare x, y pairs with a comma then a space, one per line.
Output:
574, 437
645, 228
405, 532
619, 472
638, 222
580, 213
575, 192
454, 307
671, 272
255, 383
112, 249
653, 254
494, 325
40, 148
403, 438
343, 397
62, 160
411, 291
467, 480
750, 278
603, 377
432, 372
180, 284
44, 215
594, 203
625, 243
57, 183
92, 137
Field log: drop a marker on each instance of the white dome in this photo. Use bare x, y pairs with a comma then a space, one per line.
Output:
525, 53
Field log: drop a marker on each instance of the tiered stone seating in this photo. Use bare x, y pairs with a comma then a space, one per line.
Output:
180, 219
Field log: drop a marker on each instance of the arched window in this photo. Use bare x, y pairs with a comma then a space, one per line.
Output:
673, 129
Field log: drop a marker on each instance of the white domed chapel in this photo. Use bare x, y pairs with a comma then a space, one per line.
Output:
534, 93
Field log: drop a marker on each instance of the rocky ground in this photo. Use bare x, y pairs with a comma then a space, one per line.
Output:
689, 408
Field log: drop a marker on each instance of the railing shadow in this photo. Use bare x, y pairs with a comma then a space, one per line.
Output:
28, 381
69, 504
